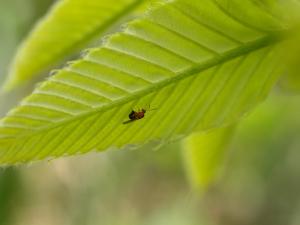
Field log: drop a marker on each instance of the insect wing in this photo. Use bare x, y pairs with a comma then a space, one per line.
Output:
128, 121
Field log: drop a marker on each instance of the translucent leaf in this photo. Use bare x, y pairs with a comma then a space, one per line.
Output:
192, 61
69, 25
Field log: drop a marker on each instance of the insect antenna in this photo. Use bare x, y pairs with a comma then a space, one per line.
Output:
152, 109
149, 108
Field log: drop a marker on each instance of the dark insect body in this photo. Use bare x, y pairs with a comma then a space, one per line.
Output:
137, 115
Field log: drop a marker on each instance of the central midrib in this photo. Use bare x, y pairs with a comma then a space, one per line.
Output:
232, 54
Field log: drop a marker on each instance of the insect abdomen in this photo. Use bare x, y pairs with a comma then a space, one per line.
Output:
132, 115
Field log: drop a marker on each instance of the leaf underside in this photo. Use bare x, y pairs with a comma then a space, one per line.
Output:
194, 61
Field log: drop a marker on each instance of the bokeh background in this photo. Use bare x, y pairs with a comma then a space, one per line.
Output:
259, 182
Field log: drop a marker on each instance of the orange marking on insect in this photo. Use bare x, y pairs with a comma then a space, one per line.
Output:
137, 115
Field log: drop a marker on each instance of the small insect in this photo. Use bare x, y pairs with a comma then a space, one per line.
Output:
137, 115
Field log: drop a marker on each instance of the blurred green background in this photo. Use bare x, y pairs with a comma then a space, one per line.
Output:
260, 182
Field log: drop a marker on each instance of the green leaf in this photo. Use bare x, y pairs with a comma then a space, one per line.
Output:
290, 82
204, 155
68, 26
198, 65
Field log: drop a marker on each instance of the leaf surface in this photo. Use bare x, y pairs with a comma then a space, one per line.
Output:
68, 26
196, 63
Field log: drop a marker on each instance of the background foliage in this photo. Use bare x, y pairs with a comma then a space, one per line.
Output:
259, 183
